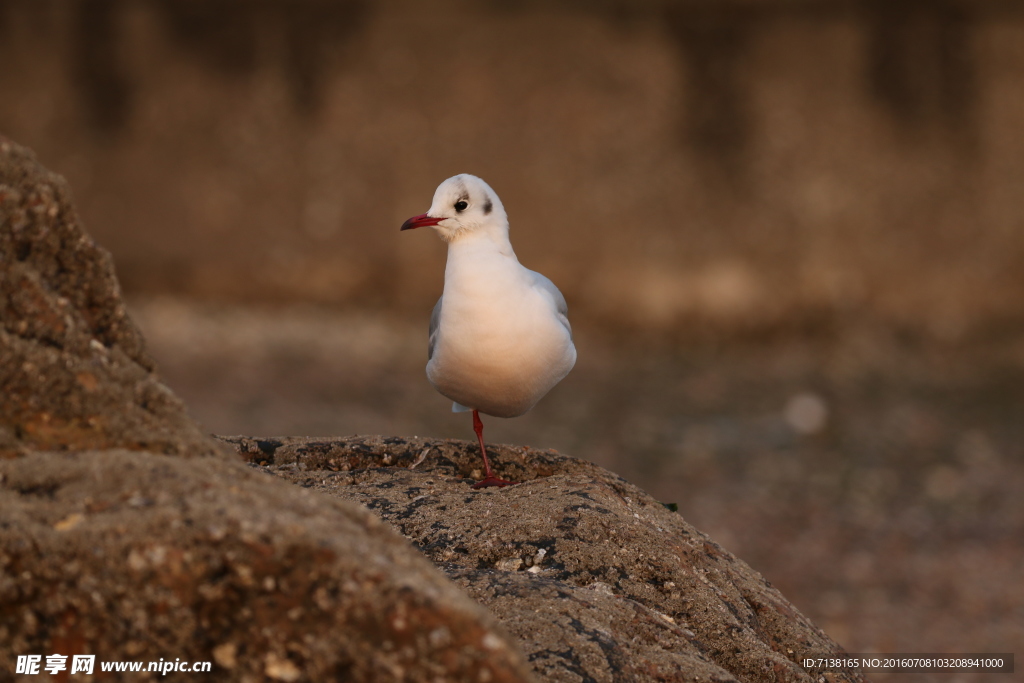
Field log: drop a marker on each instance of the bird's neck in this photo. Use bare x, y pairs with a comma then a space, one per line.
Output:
480, 264
482, 242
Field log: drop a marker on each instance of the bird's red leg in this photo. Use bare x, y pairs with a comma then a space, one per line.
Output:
489, 478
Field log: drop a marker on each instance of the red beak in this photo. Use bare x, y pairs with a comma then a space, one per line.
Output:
421, 221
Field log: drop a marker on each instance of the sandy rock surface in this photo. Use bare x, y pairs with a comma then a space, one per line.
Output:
597, 579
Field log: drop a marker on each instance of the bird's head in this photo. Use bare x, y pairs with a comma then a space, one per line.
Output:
463, 204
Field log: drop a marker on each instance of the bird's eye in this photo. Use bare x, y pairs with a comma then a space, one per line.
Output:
461, 205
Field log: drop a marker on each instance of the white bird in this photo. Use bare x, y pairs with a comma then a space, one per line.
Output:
499, 335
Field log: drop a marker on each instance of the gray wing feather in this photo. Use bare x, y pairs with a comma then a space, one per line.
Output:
561, 307
435, 322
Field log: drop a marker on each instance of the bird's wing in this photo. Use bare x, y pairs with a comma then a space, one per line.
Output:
435, 322
561, 308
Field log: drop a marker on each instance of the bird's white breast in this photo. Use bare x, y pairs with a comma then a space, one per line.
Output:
500, 346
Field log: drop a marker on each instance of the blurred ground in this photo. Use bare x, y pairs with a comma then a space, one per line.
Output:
876, 484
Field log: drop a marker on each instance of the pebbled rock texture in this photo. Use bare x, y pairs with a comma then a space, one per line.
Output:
136, 556
74, 373
598, 580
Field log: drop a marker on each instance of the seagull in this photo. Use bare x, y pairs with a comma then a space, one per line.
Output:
500, 337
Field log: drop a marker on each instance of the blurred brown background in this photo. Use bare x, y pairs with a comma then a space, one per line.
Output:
791, 235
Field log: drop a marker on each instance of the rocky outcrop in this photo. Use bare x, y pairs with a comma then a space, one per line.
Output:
74, 373
112, 545
598, 580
